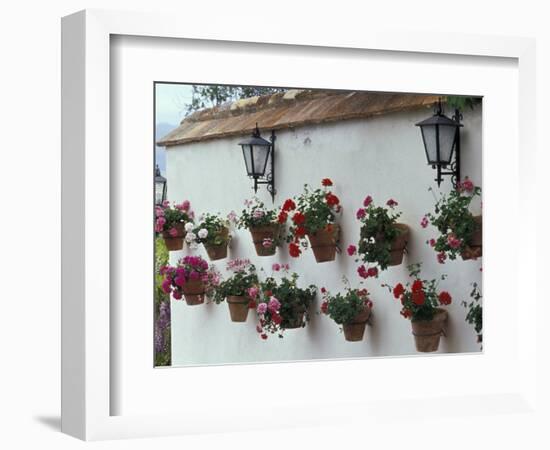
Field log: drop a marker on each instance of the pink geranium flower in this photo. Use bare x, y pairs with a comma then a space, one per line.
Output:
261, 308
273, 305
424, 222
367, 201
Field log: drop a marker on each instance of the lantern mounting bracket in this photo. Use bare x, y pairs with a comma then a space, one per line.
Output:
269, 179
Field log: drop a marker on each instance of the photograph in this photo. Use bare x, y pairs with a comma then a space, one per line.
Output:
298, 224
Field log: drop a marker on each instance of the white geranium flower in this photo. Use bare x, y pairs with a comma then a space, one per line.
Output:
190, 237
203, 232
188, 227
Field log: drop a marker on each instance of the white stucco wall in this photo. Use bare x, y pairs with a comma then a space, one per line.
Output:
383, 157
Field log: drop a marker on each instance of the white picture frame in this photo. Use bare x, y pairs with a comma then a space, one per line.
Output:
87, 386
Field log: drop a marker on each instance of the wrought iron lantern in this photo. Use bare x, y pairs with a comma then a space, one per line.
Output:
160, 187
441, 137
257, 153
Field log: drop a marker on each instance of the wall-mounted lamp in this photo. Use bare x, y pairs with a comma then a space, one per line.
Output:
160, 187
257, 151
441, 137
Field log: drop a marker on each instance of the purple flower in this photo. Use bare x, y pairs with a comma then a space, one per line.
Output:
166, 286
194, 275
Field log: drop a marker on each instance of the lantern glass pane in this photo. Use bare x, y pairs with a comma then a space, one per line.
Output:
159, 192
248, 159
261, 153
430, 143
446, 143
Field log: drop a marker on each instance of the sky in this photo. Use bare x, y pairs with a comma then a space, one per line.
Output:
171, 100
170, 110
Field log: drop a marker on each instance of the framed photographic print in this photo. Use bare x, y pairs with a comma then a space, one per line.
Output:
299, 233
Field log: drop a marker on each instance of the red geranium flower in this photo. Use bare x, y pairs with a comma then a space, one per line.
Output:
406, 313
445, 298
398, 290
294, 250
418, 297
323, 290
417, 285
331, 199
326, 182
324, 307
282, 217
268, 293
263, 336
277, 319
300, 231
252, 304
298, 218
372, 272
362, 272
289, 205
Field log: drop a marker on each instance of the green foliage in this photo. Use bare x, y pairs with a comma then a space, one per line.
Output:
317, 211
256, 215
453, 219
217, 228
238, 284
377, 234
475, 311
168, 216
207, 96
419, 299
461, 102
343, 308
163, 357
293, 300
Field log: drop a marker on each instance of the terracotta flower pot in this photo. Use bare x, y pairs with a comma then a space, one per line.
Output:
427, 333
398, 244
295, 321
355, 330
238, 307
216, 252
323, 244
261, 233
174, 243
193, 291
475, 248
